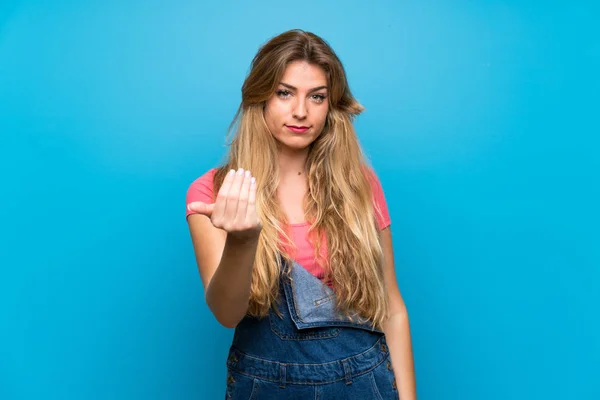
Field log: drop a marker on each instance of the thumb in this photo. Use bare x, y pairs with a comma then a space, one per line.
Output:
201, 208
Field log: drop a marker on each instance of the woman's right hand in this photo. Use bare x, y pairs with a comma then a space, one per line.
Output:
235, 208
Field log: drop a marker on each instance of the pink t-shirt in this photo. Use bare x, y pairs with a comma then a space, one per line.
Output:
202, 190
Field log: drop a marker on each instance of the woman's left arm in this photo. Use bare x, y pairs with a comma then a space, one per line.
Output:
397, 327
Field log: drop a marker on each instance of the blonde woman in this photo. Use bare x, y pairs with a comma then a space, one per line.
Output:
293, 243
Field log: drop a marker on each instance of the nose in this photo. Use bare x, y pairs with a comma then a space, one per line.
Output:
300, 109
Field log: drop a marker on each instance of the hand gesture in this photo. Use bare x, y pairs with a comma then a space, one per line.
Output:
235, 208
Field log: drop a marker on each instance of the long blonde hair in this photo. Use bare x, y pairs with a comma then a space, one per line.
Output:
339, 200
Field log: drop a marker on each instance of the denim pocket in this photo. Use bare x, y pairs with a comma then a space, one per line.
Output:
239, 386
384, 381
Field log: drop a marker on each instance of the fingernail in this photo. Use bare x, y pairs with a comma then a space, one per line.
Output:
231, 172
253, 180
247, 174
240, 171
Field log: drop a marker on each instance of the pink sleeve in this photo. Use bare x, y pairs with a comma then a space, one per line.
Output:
201, 190
381, 209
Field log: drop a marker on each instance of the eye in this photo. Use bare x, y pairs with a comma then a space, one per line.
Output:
318, 98
284, 94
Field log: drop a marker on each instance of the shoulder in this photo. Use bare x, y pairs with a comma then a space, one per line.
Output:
205, 180
202, 188
373, 179
206, 177
379, 201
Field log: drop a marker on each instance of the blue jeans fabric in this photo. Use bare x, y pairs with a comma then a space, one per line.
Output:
310, 351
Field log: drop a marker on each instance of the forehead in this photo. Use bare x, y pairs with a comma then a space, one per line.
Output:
303, 75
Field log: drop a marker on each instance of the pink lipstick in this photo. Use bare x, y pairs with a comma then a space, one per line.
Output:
297, 129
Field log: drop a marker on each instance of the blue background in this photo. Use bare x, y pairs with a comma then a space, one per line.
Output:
481, 121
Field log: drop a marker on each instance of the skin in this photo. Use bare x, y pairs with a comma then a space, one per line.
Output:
296, 103
225, 234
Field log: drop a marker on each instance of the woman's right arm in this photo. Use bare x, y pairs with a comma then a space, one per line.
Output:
225, 237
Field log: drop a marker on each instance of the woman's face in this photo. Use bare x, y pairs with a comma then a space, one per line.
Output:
296, 112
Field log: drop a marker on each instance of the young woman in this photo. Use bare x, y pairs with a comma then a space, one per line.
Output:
293, 243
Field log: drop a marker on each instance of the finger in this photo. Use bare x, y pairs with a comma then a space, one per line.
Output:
243, 201
233, 195
221, 200
251, 209
199, 207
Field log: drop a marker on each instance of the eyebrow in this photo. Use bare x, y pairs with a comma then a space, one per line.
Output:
310, 91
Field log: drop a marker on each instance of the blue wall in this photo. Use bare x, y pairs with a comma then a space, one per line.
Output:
482, 122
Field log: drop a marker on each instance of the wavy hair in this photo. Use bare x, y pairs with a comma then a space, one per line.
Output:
339, 201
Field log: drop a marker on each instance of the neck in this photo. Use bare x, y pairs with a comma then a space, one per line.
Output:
292, 162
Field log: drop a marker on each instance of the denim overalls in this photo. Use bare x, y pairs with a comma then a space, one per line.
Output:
311, 352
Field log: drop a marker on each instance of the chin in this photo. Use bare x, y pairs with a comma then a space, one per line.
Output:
299, 141
296, 147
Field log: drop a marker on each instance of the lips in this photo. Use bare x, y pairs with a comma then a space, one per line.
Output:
297, 129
